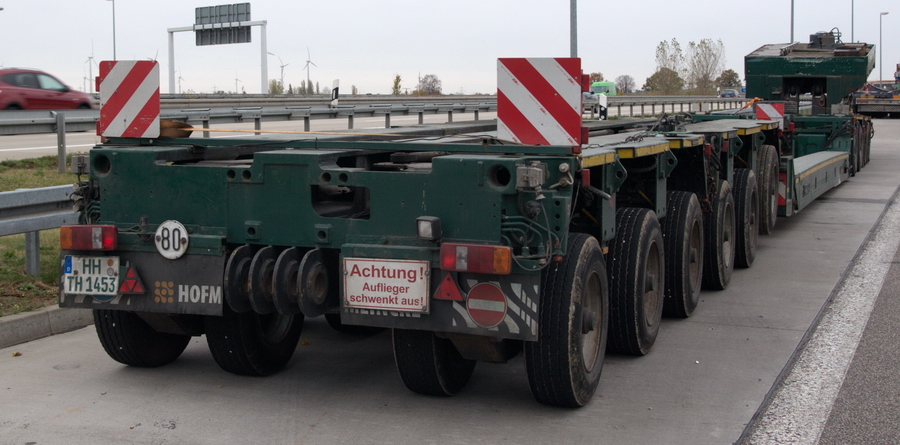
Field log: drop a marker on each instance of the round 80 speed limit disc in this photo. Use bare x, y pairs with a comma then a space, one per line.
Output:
171, 239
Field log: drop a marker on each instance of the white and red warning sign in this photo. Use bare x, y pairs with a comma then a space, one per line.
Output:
129, 99
391, 285
486, 304
539, 100
771, 112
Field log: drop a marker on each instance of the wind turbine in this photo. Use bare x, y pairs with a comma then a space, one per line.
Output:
308, 63
90, 62
179, 82
236, 80
282, 67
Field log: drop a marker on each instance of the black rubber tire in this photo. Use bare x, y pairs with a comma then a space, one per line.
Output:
767, 181
636, 281
130, 340
682, 230
252, 344
746, 215
565, 363
334, 320
429, 364
718, 244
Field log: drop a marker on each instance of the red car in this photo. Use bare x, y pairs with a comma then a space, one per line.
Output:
25, 89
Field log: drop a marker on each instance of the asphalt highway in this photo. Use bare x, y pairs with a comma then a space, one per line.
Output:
801, 348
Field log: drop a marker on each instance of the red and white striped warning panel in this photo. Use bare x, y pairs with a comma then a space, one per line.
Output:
539, 101
771, 112
129, 99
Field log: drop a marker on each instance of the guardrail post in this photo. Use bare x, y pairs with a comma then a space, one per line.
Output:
476, 114
653, 109
60, 140
450, 116
350, 121
306, 123
387, 119
619, 111
257, 125
33, 253
206, 125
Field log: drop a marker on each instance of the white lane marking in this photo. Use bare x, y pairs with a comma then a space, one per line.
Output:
44, 148
800, 408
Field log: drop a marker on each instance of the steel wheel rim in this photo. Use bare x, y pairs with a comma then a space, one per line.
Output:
591, 304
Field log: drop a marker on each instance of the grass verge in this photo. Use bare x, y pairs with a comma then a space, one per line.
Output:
20, 292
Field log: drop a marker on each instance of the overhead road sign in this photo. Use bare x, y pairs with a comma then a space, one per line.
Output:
220, 25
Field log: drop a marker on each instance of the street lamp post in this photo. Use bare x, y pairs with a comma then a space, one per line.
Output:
880, 48
114, 27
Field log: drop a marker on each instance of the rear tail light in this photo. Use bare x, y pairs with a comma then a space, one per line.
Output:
88, 237
476, 259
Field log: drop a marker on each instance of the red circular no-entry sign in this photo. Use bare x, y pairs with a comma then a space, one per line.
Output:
486, 304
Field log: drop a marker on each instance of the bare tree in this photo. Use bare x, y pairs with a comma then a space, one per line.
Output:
670, 56
395, 89
625, 84
664, 81
597, 77
705, 62
429, 85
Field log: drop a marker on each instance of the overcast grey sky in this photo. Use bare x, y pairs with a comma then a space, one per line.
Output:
365, 42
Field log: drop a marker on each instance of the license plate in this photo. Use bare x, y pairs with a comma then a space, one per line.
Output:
392, 285
91, 275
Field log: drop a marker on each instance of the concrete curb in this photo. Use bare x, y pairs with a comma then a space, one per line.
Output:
28, 326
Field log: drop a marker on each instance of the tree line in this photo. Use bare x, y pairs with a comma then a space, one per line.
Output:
697, 70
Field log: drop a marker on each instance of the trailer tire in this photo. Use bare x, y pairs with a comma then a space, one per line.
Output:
746, 215
334, 320
767, 181
636, 281
252, 344
565, 363
719, 230
682, 230
429, 364
129, 340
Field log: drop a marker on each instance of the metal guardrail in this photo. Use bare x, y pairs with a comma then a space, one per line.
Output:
29, 211
231, 109
23, 122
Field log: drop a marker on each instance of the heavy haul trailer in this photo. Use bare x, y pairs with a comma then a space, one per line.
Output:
826, 69
715, 205
814, 153
477, 246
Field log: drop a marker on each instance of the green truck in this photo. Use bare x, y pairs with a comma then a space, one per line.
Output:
469, 248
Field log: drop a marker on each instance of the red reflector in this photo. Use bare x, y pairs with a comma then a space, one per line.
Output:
792, 126
725, 146
586, 178
476, 258
132, 283
92, 237
448, 290
707, 149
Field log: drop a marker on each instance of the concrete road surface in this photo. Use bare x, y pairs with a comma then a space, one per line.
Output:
701, 384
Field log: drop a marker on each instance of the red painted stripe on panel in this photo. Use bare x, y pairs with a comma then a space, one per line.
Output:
514, 119
548, 97
145, 118
571, 66
123, 92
